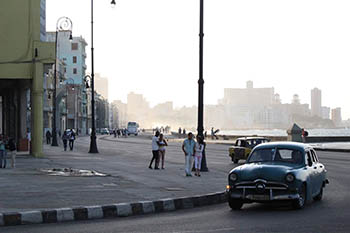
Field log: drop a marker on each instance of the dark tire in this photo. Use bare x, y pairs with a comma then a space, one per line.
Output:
235, 161
300, 203
319, 196
235, 204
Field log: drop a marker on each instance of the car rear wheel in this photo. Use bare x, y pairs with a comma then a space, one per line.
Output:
301, 201
318, 197
235, 204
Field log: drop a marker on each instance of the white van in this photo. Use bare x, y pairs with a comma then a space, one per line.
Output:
133, 128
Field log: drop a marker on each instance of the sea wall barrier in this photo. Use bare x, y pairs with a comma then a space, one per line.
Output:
311, 139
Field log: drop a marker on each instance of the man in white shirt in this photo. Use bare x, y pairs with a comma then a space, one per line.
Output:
155, 151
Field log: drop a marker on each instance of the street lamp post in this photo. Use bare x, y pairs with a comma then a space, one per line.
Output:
93, 144
63, 24
201, 82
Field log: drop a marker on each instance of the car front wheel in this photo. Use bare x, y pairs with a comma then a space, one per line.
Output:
318, 197
301, 201
235, 204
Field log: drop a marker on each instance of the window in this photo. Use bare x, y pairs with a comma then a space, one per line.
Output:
314, 156
276, 155
74, 59
74, 46
65, 70
309, 159
75, 71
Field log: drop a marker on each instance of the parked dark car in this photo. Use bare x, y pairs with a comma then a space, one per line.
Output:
282, 171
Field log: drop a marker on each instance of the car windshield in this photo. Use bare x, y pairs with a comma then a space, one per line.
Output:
276, 155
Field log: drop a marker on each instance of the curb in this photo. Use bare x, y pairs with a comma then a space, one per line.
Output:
110, 211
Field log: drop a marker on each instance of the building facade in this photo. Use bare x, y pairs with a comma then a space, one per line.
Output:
24, 54
73, 55
316, 102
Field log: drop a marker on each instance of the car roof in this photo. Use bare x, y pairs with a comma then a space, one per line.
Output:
292, 145
252, 138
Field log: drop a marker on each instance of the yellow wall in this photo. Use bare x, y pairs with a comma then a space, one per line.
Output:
19, 28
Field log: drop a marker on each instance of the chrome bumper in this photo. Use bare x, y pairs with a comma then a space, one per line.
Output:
258, 197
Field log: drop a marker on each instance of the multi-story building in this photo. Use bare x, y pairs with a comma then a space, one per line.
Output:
336, 116
249, 96
61, 97
138, 109
73, 54
326, 111
24, 54
102, 112
316, 102
118, 115
101, 85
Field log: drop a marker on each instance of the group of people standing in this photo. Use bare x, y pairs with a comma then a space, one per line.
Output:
68, 136
159, 145
120, 132
193, 150
7, 144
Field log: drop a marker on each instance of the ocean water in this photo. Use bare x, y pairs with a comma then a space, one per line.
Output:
280, 132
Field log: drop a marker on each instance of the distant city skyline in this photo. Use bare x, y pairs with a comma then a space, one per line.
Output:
151, 47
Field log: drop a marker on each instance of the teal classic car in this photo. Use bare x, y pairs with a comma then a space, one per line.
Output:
280, 171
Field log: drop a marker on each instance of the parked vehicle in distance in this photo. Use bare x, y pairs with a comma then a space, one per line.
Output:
133, 128
282, 171
104, 131
244, 146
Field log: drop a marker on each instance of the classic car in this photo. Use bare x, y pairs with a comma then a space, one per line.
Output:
280, 171
244, 146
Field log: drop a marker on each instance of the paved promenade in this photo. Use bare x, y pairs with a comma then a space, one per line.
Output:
125, 160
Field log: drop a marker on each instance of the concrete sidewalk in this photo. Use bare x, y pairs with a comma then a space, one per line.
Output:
129, 179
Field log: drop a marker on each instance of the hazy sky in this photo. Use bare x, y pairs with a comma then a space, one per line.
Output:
151, 47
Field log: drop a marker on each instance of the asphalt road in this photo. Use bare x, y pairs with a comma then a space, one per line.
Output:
332, 214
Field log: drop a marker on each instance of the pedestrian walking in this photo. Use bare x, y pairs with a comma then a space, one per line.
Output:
13, 151
188, 149
2, 152
71, 139
65, 139
48, 137
155, 151
162, 144
198, 153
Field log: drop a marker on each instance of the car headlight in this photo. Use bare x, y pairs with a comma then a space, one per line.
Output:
233, 177
290, 178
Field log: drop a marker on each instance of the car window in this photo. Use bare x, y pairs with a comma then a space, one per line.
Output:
262, 155
309, 158
314, 155
238, 143
276, 155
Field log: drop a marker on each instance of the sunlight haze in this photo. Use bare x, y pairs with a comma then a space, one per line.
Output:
151, 47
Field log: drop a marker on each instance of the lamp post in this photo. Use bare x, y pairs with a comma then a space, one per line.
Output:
63, 24
200, 128
93, 144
